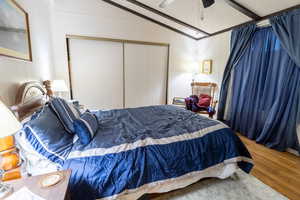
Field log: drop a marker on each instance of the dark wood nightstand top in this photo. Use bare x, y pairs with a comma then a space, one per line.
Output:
57, 192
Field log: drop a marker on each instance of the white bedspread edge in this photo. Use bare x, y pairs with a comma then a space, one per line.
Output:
221, 171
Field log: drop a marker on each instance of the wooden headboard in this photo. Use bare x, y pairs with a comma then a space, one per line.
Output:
30, 97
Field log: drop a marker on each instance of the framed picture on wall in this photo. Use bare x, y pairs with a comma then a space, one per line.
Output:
206, 67
14, 31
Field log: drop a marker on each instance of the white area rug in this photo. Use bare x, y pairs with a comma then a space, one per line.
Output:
241, 187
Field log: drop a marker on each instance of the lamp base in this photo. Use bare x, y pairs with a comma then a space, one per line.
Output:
5, 190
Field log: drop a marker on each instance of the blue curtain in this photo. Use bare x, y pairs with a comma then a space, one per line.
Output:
240, 40
266, 92
287, 29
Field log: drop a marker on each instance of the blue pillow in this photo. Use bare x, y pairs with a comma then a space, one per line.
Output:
48, 136
85, 127
66, 113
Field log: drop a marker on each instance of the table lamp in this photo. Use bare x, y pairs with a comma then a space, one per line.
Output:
59, 86
9, 125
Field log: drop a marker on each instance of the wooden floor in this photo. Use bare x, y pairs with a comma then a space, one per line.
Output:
279, 170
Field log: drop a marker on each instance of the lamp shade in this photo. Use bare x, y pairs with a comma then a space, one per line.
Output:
59, 86
9, 124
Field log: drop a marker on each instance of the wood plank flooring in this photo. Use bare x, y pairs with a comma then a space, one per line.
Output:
279, 170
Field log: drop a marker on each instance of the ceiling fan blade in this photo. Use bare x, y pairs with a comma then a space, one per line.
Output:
208, 3
165, 3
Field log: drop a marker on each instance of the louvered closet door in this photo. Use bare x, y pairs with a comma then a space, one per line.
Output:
97, 73
146, 68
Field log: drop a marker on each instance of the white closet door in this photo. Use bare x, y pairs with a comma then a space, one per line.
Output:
146, 69
97, 73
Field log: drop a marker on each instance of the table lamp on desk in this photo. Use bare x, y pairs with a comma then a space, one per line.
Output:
9, 125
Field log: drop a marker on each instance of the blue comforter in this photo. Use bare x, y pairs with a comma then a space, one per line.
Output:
138, 146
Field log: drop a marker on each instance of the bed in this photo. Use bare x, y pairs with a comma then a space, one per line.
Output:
135, 151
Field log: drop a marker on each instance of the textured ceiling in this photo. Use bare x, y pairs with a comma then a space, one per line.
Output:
216, 18
266, 7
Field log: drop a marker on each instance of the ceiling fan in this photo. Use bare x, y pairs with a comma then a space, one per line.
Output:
206, 3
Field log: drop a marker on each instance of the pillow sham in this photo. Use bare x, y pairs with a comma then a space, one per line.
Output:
65, 112
48, 136
86, 127
204, 100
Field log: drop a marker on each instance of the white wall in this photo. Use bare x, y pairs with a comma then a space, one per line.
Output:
97, 18
216, 48
13, 71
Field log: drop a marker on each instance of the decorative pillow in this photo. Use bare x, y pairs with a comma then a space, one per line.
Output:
74, 104
65, 112
85, 127
47, 135
204, 100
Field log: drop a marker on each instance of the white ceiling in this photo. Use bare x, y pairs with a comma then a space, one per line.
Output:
217, 17
266, 7
213, 19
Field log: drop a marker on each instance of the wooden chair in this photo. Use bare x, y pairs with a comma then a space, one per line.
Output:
205, 88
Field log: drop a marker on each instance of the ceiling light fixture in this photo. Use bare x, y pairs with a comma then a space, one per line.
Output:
166, 3
208, 3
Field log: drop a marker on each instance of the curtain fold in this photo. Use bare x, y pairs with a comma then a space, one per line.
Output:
266, 92
287, 29
240, 39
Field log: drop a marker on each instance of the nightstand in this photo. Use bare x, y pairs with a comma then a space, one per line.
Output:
57, 192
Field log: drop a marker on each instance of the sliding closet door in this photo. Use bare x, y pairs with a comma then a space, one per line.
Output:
146, 69
97, 73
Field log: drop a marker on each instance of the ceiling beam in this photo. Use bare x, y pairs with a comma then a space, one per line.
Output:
146, 7
149, 19
242, 9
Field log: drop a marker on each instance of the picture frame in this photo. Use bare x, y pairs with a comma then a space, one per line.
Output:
206, 67
14, 31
